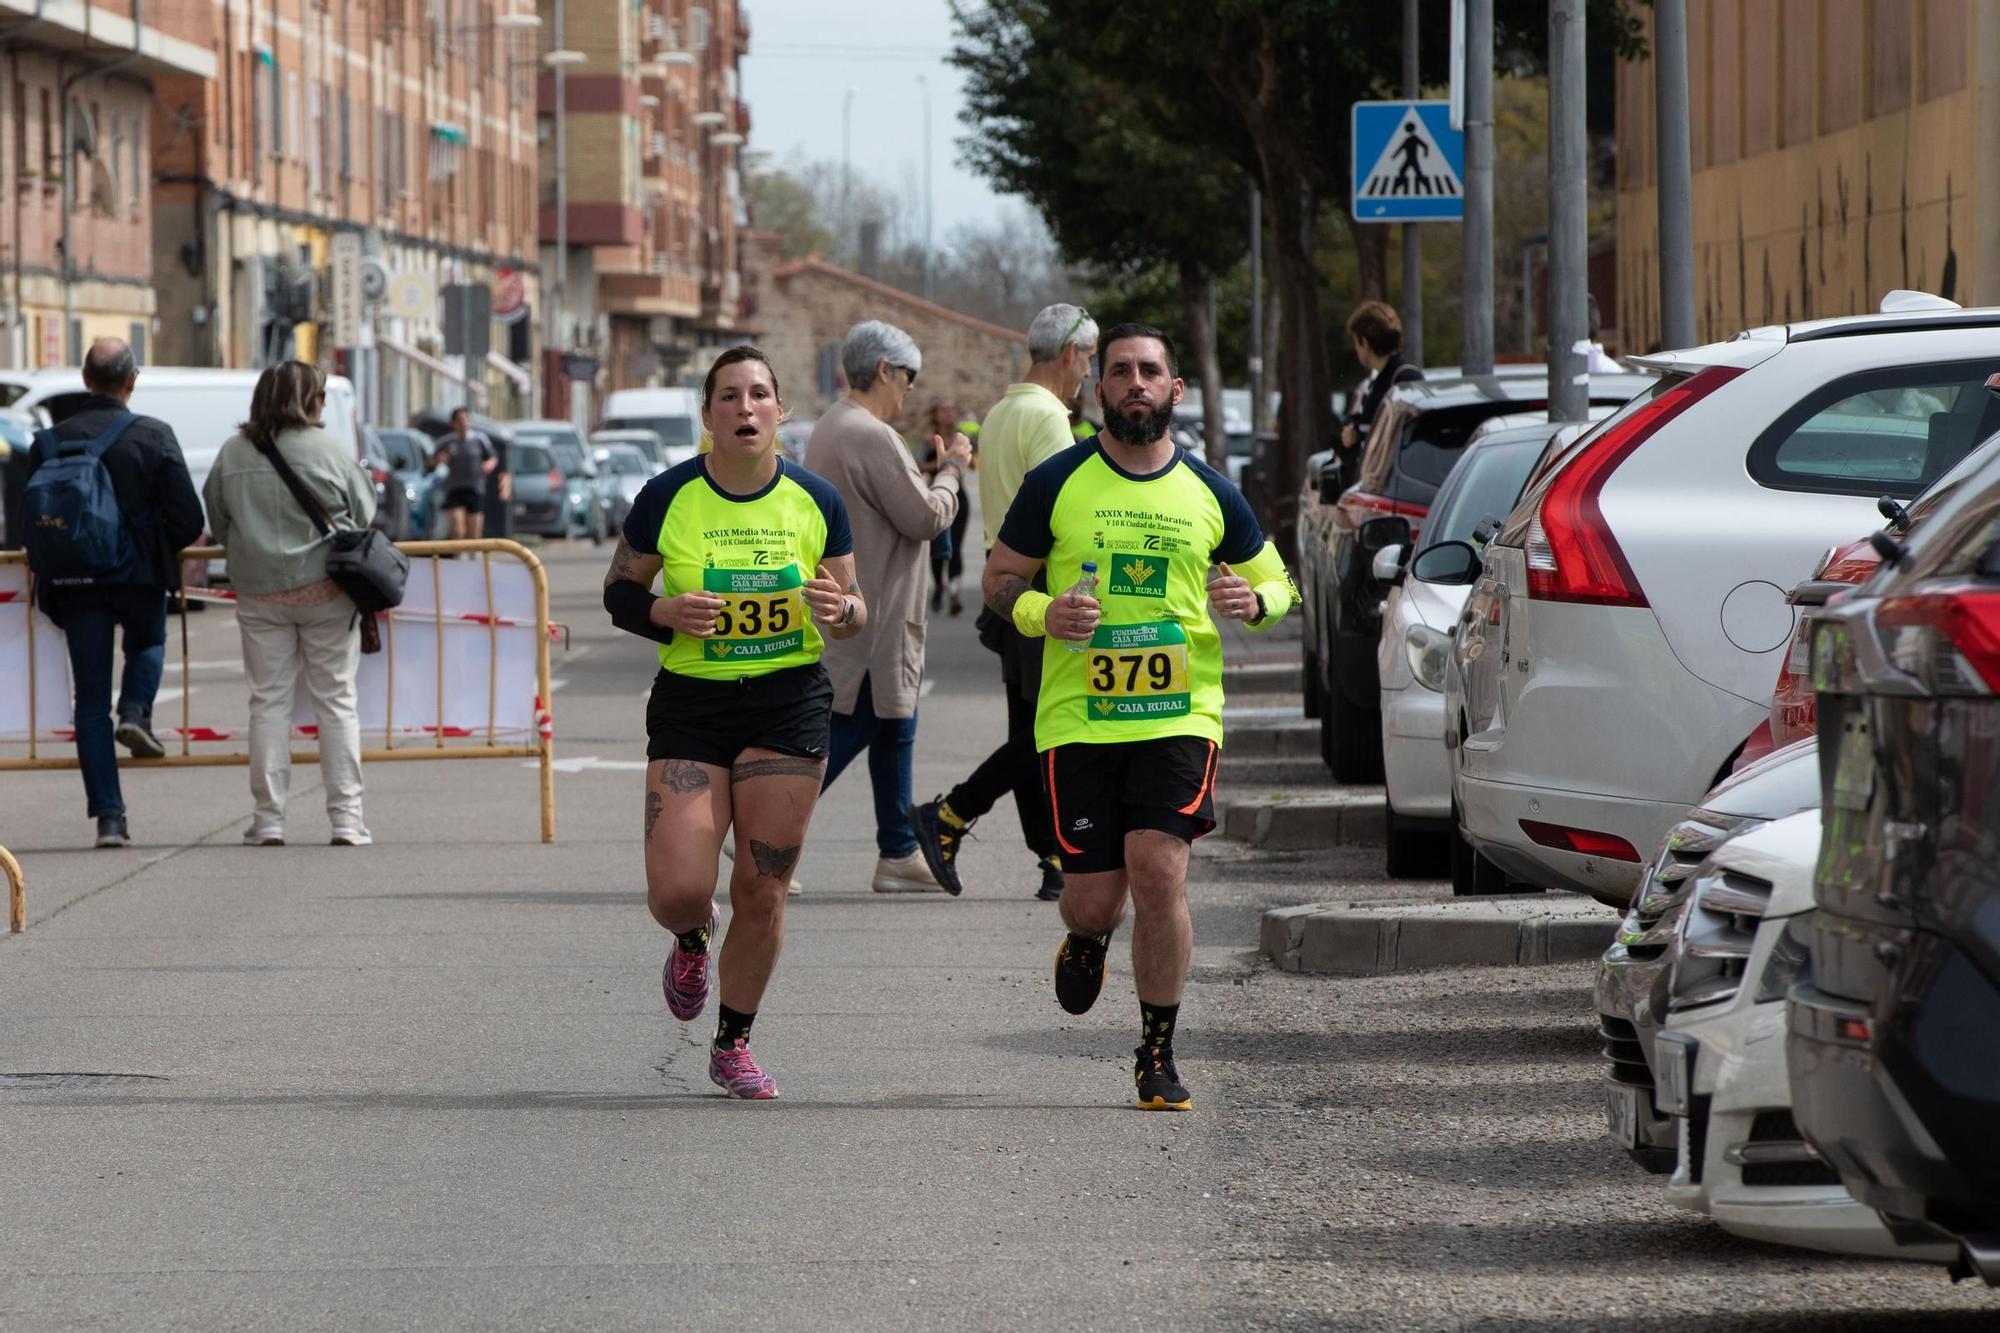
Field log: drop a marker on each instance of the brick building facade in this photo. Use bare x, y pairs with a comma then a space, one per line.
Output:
806, 306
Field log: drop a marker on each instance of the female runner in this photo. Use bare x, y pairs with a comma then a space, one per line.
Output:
758, 569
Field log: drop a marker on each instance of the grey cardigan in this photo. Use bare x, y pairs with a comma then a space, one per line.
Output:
273, 546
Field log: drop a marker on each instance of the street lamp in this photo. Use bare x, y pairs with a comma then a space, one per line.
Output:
560, 61
924, 83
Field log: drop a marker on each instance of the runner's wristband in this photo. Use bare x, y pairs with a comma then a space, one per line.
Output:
631, 608
1031, 613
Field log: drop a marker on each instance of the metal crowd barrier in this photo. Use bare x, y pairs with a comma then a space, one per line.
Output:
543, 748
17, 892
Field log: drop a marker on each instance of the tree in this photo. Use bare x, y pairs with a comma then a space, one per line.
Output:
781, 203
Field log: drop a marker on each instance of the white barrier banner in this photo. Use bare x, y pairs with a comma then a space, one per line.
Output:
488, 661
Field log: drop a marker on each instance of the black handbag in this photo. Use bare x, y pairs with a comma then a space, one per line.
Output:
362, 562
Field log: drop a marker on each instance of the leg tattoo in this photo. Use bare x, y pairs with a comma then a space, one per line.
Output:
785, 766
653, 804
774, 862
681, 776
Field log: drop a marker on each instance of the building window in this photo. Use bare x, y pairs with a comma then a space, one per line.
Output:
21, 167
51, 164
346, 137
698, 28
137, 145
313, 132
292, 113
277, 110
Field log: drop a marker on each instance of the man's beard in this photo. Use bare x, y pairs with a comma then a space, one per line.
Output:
1146, 430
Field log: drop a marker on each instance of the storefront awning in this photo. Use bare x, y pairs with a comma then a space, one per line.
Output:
430, 363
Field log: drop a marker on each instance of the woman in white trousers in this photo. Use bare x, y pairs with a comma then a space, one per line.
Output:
295, 622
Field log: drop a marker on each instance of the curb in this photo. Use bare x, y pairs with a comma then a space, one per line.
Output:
1271, 740
1347, 818
1258, 772
1362, 939
1241, 678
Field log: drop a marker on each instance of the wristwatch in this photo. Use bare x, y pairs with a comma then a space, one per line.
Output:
847, 615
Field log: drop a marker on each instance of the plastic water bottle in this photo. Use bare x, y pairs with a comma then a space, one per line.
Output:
1085, 586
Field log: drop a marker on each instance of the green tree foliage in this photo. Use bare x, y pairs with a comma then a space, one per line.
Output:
783, 204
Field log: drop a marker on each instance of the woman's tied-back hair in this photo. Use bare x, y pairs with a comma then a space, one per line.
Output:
741, 352
1375, 323
289, 396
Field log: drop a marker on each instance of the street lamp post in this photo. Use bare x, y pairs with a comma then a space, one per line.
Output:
846, 165
560, 59
924, 83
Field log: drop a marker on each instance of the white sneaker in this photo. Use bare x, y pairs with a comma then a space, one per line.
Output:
352, 837
263, 837
905, 874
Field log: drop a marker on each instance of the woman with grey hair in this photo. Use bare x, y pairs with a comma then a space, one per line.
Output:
293, 618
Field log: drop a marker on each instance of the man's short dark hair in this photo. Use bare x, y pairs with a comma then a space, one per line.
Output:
1118, 332
458, 412
108, 364
1376, 324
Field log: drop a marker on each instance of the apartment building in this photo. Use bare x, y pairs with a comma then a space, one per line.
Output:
404, 126
642, 191
1841, 148
76, 206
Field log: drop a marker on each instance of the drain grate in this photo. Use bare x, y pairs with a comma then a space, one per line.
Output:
71, 1080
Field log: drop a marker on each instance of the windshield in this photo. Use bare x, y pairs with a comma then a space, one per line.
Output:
671, 430
1485, 487
625, 463
530, 458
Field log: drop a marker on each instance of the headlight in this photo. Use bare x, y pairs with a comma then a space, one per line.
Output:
1427, 650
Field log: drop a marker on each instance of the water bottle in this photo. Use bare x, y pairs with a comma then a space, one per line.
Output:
1085, 586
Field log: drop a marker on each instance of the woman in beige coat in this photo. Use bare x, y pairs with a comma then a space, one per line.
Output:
293, 619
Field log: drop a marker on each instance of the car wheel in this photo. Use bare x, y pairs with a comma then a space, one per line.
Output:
1314, 699
1355, 751
1413, 853
1472, 875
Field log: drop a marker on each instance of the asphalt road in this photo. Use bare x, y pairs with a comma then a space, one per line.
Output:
432, 1084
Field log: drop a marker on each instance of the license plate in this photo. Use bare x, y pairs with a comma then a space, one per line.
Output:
1621, 1113
1674, 1066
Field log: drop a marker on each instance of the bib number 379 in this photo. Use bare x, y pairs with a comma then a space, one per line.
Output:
1136, 672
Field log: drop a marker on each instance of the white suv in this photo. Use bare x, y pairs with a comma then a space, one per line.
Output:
1620, 645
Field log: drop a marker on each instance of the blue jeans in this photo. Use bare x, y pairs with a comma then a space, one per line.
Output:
88, 628
890, 742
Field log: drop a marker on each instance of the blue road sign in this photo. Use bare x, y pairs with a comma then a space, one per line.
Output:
1409, 163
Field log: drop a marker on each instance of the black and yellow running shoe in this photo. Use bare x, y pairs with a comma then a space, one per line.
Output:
1052, 879
1159, 1082
1080, 970
938, 835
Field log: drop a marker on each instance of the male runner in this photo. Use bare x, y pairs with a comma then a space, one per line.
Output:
1129, 722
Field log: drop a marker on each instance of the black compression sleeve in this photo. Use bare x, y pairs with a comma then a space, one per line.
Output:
631, 608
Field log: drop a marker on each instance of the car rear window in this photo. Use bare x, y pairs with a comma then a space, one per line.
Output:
1890, 431
531, 458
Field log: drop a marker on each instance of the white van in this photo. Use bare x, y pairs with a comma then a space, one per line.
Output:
203, 406
672, 414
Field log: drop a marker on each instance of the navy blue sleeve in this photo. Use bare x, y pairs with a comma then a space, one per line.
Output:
649, 510
833, 509
1242, 539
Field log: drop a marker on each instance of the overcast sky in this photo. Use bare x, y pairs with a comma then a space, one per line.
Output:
806, 55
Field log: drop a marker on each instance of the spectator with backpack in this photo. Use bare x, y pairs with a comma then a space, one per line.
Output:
281, 491
106, 510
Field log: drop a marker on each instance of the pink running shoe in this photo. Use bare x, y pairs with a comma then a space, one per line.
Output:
736, 1073
685, 978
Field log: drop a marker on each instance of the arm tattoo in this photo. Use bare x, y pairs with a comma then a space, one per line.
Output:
1011, 588
653, 804
785, 766
775, 862
683, 776
621, 563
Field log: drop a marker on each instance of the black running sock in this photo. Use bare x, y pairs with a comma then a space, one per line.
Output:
731, 1026
1096, 941
696, 940
1156, 1025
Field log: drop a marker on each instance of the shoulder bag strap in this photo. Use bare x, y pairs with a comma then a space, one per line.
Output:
307, 500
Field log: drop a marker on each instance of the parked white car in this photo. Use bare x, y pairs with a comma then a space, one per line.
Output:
1620, 645
1721, 1055
1632, 975
1426, 595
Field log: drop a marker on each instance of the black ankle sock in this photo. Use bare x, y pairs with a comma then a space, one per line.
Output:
696, 940
731, 1026
1094, 941
1156, 1025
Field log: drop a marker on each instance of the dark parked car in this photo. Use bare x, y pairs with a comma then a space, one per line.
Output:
1418, 433
1892, 1030
392, 493
541, 492
409, 453
591, 495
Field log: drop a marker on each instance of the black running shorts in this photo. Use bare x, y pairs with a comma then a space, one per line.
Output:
462, 497
1099, 793
713, 721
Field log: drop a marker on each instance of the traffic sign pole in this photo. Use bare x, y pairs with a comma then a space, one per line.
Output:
1476, 348
1413, 239
1569, 316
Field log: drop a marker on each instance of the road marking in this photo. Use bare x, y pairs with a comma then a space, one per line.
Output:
557, 683
588, 763
925, 688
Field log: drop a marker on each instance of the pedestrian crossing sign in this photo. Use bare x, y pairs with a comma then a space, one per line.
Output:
1409, 164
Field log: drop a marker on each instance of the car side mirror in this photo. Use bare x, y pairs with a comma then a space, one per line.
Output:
1378, 534
1449, 563
1329, 484
1388, 566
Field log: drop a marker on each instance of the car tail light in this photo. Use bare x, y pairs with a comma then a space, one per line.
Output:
1571, 554
1582, 841
379, 475
556, 478
1950, 641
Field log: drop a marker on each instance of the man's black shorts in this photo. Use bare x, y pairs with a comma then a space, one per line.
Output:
463, 497
713, 721
1099, 793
